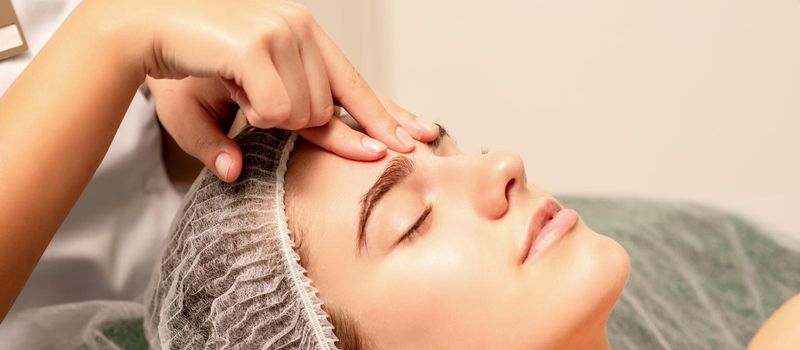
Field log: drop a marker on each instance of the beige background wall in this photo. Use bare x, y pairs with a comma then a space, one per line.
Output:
686, 99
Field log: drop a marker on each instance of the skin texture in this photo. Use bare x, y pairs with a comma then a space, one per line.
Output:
59, 116
780, 332
459, 283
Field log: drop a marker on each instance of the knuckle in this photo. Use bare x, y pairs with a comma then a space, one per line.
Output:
387, 124
276, 34
404, 117
322, 116
298, 13
302, 31
326, 113
259, 122
316, 121
255, 48
356, 86
295, 123
381, 126
198, 146
266, 117
313, 123
329, 110
357, 82
281, 39
301, 120
280, 112
393, 109
300, 19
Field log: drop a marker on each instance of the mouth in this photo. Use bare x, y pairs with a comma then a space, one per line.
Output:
553, 219
543, 214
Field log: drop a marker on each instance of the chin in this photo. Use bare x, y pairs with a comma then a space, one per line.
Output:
592, 270
611, 266
600, 266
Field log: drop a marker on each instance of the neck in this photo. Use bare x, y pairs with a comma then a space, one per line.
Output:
592, 334
591, 337
600, 343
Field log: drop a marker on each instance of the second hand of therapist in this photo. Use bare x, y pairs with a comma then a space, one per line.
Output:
57, 120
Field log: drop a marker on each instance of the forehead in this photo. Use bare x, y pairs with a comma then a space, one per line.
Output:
314, 173
324, 193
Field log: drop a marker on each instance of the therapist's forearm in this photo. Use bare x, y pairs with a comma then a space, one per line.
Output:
57, 121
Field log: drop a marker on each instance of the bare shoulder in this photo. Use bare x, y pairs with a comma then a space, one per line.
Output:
781, 330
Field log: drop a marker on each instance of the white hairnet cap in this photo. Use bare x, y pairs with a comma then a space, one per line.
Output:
228, 276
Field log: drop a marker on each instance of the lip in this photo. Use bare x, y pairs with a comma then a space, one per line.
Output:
540, 217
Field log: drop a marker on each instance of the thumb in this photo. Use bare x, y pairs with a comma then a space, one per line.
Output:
193, 113
203, 139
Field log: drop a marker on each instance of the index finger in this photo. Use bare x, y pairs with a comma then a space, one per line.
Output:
354, 94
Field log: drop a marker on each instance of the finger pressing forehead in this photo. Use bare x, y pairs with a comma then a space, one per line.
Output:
353, 93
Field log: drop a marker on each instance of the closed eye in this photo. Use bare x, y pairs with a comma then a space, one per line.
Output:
412, 232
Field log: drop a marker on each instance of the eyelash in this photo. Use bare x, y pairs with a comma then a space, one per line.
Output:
412, 232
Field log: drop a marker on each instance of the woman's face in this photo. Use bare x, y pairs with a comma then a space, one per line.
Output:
458, 282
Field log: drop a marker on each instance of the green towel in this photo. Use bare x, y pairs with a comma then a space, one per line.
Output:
700, 278
125, 334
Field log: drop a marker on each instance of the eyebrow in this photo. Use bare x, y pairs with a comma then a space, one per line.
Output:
396, 171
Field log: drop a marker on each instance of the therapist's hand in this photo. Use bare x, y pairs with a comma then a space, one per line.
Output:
274, 61
197, 112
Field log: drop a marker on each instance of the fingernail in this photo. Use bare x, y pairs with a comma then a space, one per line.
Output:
223, 164
427, 125
372, 145
404, 137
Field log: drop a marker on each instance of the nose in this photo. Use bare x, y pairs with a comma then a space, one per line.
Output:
500, 176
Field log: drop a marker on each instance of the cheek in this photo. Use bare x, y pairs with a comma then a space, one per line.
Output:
441, 287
